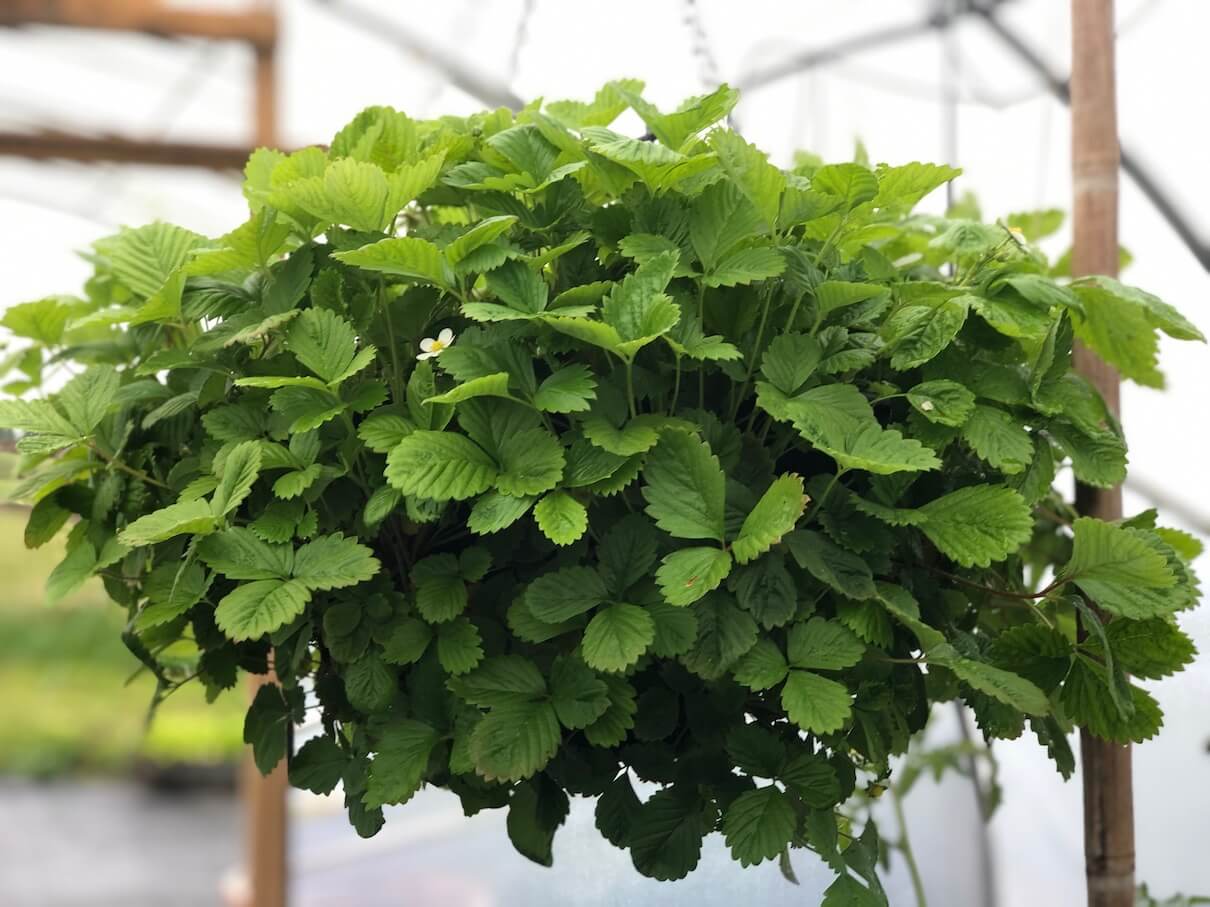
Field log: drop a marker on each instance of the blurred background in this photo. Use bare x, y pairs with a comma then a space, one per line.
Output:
122, 111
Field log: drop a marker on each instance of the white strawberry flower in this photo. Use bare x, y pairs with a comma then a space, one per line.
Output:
432, 346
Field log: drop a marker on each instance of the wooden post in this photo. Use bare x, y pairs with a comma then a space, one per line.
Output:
265, 827
1108, 806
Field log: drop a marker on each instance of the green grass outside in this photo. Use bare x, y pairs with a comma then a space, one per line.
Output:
71, 696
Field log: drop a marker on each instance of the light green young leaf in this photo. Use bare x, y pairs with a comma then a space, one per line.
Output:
773, 516
561, 517
405, 256
686, 575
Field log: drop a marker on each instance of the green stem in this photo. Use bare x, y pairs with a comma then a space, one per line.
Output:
634, 411
396, 368
129, 470
760, 336
905, 847
701, 324
676, 388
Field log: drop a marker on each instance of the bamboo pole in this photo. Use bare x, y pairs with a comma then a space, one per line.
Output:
265, 826
1095, 158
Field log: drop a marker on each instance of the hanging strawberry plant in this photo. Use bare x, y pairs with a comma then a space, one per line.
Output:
546, 459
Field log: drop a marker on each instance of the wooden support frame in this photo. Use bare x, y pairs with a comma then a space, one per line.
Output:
257, 27
1096, 158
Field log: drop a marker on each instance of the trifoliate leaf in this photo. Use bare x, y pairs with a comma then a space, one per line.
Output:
1120, 571
685, 488
740, 267
666, 836
441, 466
999, 439
493, 385
501, 680
842, 570
440, 589
617, 636
762, 667
561, 517
568, 390
978, 525
185, 517
944, 402
382, 431
686, 575
1086, 700
627, 553
535, 811
823, 644
334, 562
239, 473
515, 740
260, 607
563, 594
637, 436
612, 727
399, 763
759, 824
266, 727
325, 344
814, 703
531, 462
369, 684
405, 256
1002, 685
579, 696
725, 633
839, 421
915, 334
407, 642
459, 646
1150, 649
239, 553
773, 516
318, 765
495, 511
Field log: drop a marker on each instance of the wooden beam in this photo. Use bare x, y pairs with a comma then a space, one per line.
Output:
68, 147
1095, 161
254, 26
266, 826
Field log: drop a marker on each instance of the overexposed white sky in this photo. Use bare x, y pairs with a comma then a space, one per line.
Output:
1012, 141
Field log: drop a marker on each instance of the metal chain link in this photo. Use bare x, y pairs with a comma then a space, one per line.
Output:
519, 39
707, 63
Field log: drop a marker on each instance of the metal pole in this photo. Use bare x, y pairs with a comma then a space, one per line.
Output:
1095, 160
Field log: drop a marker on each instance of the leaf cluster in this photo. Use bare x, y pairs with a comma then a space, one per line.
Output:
727, 475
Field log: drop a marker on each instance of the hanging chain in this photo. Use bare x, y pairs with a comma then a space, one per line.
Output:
519, 39
707, 64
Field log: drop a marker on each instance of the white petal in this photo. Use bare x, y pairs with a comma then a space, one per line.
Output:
423, 356
446, 336
427, 344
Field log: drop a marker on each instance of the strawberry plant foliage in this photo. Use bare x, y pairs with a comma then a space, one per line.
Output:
547, 460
